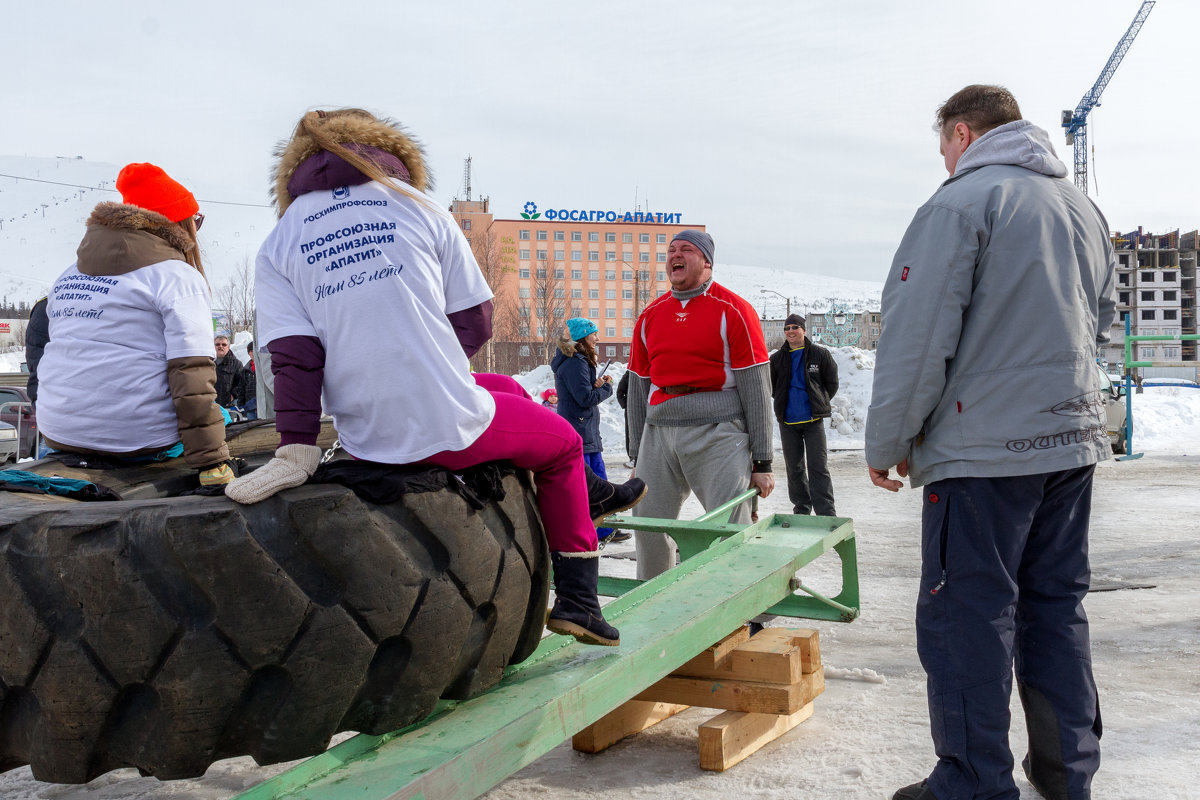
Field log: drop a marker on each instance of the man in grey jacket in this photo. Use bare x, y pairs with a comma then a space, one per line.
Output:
986, 394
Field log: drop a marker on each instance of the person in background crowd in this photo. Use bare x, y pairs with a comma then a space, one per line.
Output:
581, 392
249, 399
387, 342
37, 335
550, 398
1006, 245
804, 378
699, 398
128, 371
230, 374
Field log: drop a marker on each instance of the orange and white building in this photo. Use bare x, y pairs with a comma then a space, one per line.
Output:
554, 263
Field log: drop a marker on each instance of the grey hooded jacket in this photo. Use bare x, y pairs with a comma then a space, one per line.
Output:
997, 298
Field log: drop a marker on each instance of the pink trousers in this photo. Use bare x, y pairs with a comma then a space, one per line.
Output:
533, 437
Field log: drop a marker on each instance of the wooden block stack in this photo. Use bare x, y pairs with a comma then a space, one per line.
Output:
765, 683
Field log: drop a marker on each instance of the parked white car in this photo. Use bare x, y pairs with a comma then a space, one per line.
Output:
8, 443
1114, 397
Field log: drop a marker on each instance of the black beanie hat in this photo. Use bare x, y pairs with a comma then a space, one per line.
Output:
795, 319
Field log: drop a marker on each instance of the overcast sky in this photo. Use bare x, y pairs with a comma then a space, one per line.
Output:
798, 132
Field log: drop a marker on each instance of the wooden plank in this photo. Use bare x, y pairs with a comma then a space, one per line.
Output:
773, 655
731, 736
625, 720
736, 695
714, 655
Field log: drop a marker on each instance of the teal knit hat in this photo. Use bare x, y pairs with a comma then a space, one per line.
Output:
581, 327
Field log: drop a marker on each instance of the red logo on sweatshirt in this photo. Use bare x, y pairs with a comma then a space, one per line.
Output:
904, 274
933, 498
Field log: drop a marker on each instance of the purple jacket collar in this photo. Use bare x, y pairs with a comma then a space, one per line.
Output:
324, 170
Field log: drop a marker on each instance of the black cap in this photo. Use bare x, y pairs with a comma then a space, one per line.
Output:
795, 319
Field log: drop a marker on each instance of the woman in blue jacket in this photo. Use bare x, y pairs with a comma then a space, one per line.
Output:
580, 391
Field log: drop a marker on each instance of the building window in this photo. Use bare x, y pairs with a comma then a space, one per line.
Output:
576, 311
524, 311
1170, 313
560, 312
576, 274
466, 224
1123, 279
627, 255
525, 348
1168, 277
1170, 352
523, 293
610, 294
660, 238
610, 333
1147, 353
560, 255
874, 331
593, 274
627, 294
644, 258
610, 237
627, 275
576, 236
523, 235
610, 275
627, 330
645, 295
594, 294
541, 254
610, 255
627, 313
610, 350
541, 273
1171, 296
1148, 314
577, 255
524, 272
593, 236
593, 311
662, 276
610, 313
541, 236
644, 238
1123, 298
541, 293
560, 292
1147, 295
577, 293
1147, 277
523, 255
558, 273
593, 255
626, 237
541, 331
558, 236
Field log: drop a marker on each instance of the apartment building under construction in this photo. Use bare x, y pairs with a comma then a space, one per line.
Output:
1156, 291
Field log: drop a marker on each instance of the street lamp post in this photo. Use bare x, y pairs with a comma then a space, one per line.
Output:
786, 300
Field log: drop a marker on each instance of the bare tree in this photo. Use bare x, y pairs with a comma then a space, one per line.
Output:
497, 271
236, 297
547, 308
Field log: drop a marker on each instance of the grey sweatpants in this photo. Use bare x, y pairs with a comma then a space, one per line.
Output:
711, 460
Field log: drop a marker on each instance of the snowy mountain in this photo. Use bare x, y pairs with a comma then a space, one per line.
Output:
45, 203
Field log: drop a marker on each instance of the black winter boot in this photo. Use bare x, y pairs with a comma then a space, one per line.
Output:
576, 609
606, 498
917, 791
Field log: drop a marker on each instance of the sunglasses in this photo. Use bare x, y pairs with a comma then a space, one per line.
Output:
199, 220
791, 327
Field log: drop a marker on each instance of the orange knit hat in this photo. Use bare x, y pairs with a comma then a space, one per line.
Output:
147, 186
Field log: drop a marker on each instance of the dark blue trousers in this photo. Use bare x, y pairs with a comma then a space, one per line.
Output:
1003, 576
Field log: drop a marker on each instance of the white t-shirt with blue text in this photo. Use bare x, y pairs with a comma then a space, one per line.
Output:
102, 381
373, 274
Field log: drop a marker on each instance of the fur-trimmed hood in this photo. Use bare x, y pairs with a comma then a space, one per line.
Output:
566, 346
121, 238
382, 133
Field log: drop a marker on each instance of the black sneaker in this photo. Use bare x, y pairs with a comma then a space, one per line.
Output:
616, 536
615, 497
917, 791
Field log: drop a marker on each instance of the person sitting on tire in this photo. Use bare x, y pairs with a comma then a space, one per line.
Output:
367, 293
128, 371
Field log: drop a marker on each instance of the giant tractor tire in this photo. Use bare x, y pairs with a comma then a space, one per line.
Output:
167, 633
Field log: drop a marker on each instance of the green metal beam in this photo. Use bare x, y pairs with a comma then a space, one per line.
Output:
566, 686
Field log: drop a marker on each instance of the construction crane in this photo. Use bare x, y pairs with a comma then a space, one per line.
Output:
1076, 122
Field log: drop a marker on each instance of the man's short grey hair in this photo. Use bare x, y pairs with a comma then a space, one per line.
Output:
980, 106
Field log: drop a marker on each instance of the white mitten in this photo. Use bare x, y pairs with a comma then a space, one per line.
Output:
292, 465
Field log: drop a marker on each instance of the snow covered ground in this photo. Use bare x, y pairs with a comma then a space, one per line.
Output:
869, 734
